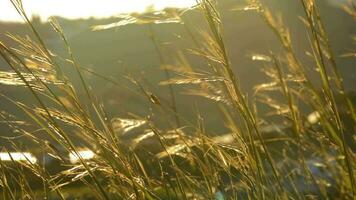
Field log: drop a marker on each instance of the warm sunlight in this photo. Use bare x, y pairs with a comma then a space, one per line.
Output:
83, 9
85, 154
178, 99
18, 156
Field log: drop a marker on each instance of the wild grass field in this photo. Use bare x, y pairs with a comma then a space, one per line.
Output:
228, 99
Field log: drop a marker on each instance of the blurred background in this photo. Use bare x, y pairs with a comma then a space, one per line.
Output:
128, 51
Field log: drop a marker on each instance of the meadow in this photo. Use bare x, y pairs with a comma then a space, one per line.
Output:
224, 100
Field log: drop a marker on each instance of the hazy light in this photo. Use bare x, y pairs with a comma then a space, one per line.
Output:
126, 125
83, 9
260, 57
85, 154
18, 156
313, 117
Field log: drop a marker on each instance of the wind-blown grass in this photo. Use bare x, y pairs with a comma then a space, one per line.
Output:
136, 158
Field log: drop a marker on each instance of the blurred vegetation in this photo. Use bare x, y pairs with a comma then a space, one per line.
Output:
224, 100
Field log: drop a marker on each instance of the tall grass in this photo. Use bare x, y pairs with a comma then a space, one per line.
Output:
315, 159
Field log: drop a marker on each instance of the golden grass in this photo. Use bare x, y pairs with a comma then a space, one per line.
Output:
136, 159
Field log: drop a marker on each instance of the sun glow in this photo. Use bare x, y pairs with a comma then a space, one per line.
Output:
18, 156
85, 154
83, 9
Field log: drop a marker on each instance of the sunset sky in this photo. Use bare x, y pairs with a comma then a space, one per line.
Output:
84, 8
